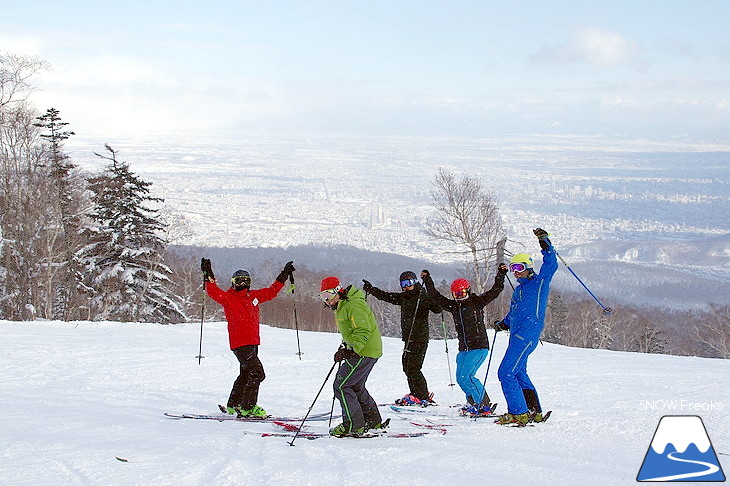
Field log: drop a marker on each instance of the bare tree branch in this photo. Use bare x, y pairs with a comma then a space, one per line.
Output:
467, 215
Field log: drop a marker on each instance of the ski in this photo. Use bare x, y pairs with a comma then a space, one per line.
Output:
416, 410
289, 428
428, 411
320, 435
441, 428
233, 418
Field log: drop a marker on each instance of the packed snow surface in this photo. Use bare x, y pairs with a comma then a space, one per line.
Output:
84, 403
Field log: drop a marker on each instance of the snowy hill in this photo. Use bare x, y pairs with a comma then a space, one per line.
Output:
78, 395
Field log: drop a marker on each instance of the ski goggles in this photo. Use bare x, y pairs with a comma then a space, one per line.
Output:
326, 295
241, 281
408, 282
460, 294
518, 267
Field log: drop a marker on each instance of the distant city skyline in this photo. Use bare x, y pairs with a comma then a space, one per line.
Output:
651, 69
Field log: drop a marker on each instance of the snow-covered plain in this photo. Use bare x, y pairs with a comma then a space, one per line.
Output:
627, 206
77, 396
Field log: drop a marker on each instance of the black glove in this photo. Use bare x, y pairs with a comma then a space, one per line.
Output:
344, 353
502, 270
500, 326
542, 237
286, 272
367, 286
207, 269
425, 275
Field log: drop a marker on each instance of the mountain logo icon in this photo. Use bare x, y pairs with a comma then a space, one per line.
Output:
681, 451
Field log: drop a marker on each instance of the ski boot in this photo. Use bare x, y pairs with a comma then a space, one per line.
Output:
253, 412
520, 420
408, 400
475, 411
427, 402
538, 417
414, 401
377, 428
342, 431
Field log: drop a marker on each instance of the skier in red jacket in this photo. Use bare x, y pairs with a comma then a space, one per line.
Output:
240, 305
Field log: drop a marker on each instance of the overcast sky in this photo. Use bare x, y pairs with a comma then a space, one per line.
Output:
637, 68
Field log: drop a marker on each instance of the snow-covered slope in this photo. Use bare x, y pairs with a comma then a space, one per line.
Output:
77, 395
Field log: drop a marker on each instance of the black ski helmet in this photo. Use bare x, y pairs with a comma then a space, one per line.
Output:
241, 279
407, 279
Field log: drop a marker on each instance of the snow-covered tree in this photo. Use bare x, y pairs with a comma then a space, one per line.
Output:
24, 189
66, 203
123, 259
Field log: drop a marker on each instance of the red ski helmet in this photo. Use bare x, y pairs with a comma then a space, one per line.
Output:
329, 288
330, 283
460, 288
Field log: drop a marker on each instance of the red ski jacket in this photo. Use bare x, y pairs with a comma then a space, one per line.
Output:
242, 310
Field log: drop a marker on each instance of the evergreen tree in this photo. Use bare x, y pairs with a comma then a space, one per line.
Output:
64, 293
123, 258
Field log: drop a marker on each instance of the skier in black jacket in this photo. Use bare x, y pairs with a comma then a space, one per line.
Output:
467, 309
415, 303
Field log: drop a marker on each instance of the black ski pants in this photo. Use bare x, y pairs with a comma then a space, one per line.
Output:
413, 356
358, 407
245, 390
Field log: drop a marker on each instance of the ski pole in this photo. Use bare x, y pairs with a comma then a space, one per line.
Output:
606, 310
332, 408
446, 344
407, 349
312, 405
484, 385
202, 318
296, 321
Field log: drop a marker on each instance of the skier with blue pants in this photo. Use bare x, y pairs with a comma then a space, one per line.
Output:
467, 310
525, 321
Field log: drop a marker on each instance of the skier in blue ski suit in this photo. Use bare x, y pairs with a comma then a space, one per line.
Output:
525, 321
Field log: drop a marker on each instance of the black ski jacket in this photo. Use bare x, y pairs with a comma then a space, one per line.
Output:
414, 306
468, 314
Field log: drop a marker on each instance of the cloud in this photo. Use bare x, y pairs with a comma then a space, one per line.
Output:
597, 47
20, 44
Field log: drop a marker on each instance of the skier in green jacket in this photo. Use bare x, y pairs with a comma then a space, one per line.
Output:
361, 347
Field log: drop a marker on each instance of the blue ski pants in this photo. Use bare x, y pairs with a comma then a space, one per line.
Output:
513, 371
467, 365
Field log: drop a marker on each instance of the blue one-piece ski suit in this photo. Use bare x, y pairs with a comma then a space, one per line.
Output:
525, 319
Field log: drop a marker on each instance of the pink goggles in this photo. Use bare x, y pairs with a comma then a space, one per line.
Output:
518, 267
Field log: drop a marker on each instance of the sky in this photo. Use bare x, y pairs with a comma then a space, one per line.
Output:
650, 69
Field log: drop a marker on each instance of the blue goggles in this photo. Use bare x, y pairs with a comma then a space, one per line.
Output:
408, 282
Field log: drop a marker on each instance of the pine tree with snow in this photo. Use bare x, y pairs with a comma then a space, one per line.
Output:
123, 259
67, 204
